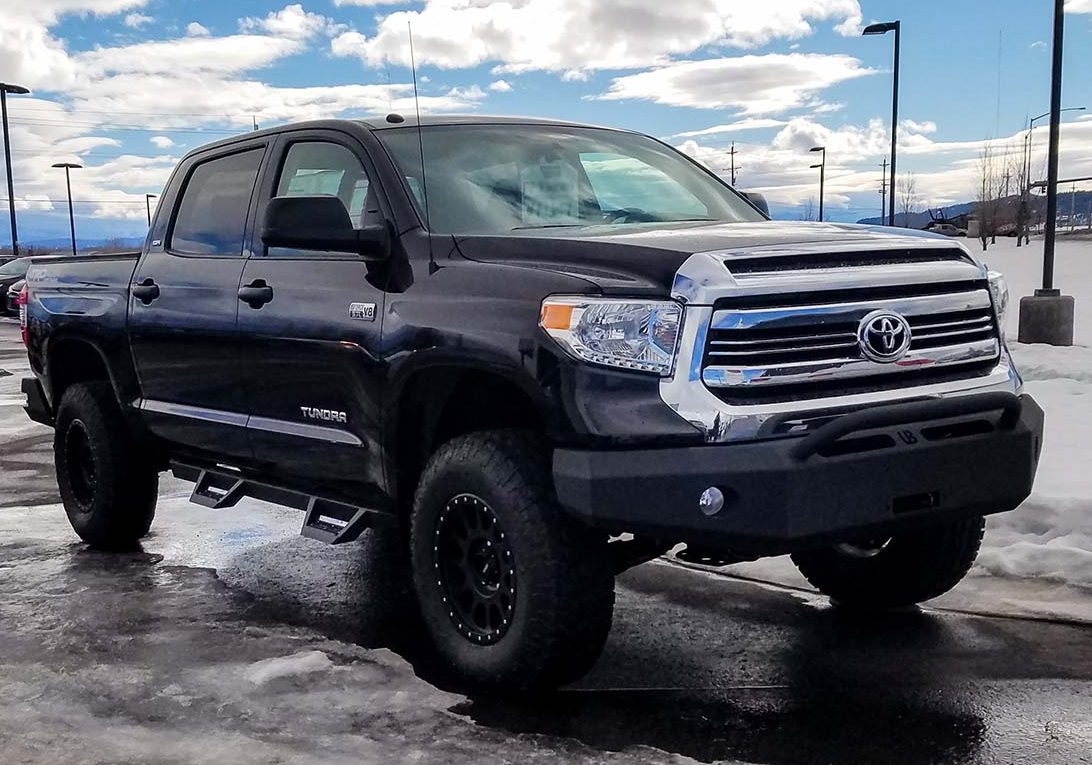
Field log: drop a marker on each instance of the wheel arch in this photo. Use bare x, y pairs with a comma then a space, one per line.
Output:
441, 400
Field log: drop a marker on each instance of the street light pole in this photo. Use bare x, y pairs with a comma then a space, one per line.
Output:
6, 88
1047, 316
880, 29
68, 167
822, 166
148, 204
1030, 138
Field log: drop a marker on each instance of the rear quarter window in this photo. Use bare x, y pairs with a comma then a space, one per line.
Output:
211, 218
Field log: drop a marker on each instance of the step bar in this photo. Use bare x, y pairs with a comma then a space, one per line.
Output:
329, 520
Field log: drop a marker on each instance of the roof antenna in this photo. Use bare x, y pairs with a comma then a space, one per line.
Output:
432, 267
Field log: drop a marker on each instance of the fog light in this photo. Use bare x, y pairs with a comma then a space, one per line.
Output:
712, 501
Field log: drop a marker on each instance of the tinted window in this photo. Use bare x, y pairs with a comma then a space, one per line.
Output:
211, 219
328, 169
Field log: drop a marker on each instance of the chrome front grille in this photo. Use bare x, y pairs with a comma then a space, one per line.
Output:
758, 347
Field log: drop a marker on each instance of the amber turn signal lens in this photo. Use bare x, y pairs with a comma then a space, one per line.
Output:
556, 316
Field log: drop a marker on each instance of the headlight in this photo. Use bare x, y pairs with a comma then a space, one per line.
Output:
999, 288
631, 334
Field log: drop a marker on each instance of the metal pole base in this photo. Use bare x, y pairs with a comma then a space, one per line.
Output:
1047, 317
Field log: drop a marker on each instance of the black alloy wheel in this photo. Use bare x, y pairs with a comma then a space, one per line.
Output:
475, 569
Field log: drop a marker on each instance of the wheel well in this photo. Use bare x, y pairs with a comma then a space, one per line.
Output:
440, 404
73, 361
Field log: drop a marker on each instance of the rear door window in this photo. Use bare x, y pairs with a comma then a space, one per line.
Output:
211, 217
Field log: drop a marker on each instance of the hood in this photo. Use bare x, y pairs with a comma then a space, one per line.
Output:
640, 260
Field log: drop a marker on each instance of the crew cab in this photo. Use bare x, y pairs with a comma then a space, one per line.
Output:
545, 352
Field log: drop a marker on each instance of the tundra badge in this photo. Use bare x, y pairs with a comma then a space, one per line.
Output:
329, 415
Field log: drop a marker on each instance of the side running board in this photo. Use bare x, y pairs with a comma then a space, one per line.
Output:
329, 520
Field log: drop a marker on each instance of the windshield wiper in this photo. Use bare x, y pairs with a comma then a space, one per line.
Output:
551, 225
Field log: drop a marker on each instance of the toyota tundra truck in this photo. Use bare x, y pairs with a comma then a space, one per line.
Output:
545, 353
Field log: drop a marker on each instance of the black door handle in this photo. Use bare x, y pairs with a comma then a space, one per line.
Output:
256, 294
146, 291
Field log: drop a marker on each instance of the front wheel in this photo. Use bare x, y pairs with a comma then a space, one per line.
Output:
515, 595
888, 572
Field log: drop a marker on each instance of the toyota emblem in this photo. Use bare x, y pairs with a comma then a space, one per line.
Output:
884, 336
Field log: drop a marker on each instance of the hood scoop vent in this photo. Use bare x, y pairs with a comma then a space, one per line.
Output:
771, 263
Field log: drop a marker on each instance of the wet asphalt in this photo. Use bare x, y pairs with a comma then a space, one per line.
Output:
150, 656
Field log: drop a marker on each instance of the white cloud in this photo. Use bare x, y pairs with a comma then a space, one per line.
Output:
1038, 45
733, 127
500, 86
584, 35
161, 141
137, 20
189, 55
291, 22
1078, 6
754, 85
196, 29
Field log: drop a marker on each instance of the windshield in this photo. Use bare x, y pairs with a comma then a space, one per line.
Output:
17, 267
492, 179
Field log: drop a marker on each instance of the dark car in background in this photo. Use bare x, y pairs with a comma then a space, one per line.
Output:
11, 272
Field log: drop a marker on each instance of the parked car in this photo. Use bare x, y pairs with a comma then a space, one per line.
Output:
554, 355
11, 307
11, 272
947, 229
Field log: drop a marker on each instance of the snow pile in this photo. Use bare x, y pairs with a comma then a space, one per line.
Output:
303, 663
1050, 535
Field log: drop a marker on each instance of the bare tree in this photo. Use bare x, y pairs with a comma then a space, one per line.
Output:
808, 211
987, 199
908, 197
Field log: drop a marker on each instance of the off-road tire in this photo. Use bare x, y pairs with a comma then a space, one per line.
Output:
564, 584
913, 567
107, 485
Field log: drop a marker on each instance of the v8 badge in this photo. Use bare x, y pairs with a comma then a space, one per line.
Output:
362, 311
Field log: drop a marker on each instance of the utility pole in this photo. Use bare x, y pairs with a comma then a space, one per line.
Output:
733, 155
1072, 206
883, 194
254, 121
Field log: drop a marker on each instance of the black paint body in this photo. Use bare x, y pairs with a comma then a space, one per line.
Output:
201, 373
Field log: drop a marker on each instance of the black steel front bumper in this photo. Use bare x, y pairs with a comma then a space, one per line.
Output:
875, 470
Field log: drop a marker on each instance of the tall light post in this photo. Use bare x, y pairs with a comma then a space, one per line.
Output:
1047, 316
882, 29
68, 167
15, 90
822, 167
1029, 140
148, 205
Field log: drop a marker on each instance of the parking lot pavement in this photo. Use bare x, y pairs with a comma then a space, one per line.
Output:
231, 639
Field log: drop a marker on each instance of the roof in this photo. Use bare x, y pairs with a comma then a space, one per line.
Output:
383, 123
410, 120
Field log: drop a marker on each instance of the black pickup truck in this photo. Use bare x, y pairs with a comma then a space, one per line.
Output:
546, 352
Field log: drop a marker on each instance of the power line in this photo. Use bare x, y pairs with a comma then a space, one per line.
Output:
83, 201
105, 126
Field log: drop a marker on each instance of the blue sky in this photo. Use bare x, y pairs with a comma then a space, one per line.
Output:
125, 87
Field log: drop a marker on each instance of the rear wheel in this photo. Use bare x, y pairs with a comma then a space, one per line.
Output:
515, 595
886, 572
107, 485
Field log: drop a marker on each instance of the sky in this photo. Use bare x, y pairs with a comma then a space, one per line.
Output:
127, 87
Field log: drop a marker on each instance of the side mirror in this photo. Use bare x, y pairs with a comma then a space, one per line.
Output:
321, 224
758, 200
